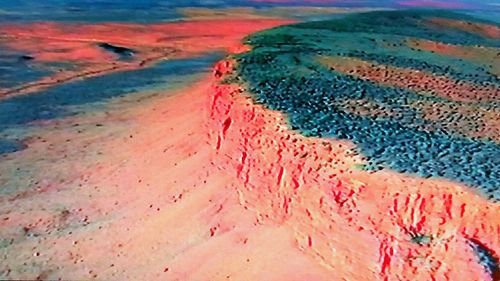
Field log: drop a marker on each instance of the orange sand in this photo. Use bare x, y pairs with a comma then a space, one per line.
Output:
45, 39
421, 81
78, 44
486, 30
478, 54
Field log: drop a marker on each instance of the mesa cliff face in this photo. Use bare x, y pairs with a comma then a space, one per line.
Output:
358, 224
394, 133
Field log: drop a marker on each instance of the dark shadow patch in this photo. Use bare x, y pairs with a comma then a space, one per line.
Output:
26, 58
122, 52
487, 258
9, 146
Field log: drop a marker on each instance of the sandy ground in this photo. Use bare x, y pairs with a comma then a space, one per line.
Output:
203, 184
